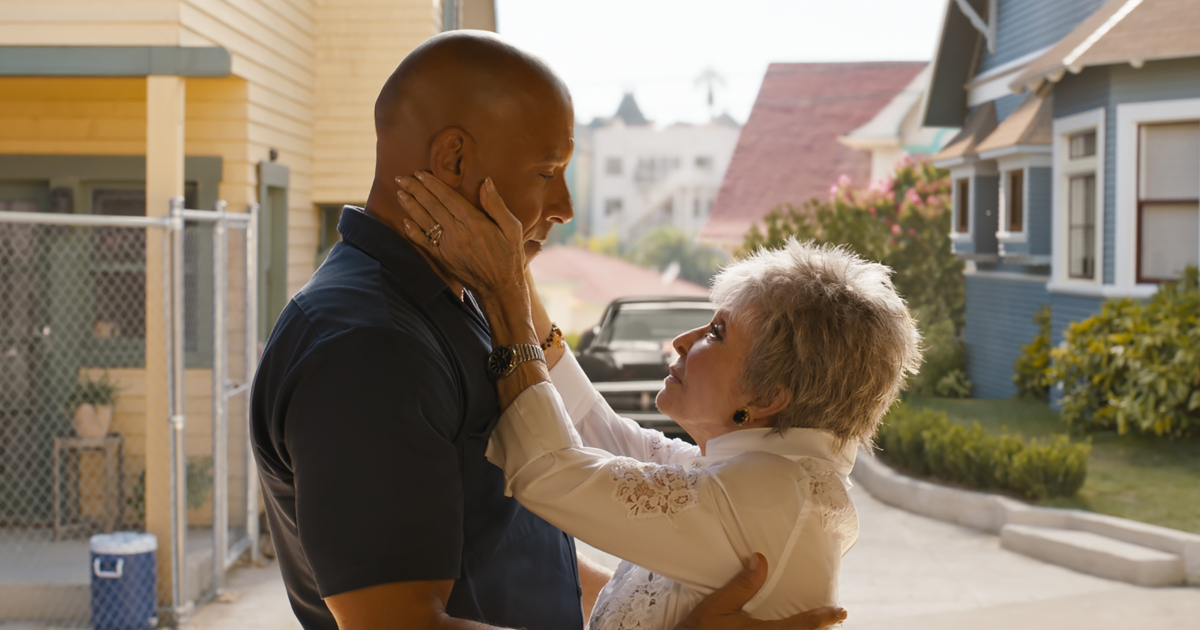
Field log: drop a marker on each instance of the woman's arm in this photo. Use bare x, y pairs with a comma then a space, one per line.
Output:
601, 427
672, 519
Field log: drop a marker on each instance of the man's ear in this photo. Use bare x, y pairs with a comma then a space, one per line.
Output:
450, 155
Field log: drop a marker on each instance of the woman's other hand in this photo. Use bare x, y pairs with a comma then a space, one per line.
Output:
482, 250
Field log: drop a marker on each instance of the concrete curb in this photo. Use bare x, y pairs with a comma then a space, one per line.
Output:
991, 513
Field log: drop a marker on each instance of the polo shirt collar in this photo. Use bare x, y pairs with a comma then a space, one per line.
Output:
392, 250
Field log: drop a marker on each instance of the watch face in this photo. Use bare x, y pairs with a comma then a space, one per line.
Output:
501, 361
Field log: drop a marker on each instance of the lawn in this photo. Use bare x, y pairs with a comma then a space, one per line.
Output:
1141, 478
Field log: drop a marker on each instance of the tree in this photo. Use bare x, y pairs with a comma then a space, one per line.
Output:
904, 222
666, 245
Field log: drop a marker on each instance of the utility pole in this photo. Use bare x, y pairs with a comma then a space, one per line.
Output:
709, 79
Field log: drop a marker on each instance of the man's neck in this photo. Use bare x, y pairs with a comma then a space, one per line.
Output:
393, 216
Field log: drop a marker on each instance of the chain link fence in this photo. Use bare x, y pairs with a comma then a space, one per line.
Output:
83, 444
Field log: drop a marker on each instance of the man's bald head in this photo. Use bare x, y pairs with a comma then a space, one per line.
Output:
466, 106
464, 79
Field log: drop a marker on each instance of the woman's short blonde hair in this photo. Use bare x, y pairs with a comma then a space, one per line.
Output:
829, 328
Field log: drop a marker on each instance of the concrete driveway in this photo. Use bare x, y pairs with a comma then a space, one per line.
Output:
907, 571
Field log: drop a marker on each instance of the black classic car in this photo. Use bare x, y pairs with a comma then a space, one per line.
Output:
627, 354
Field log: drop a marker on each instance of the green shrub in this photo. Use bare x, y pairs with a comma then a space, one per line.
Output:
941, 372
1135, 365
927, 444
1030, 368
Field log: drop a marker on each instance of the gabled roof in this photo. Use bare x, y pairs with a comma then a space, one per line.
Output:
1030, 126
953, 64
1121, 31
788, 151
980, 124
629, 112
883, 130
601, 279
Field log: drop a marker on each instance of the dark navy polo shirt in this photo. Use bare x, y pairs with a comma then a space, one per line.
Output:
370, 414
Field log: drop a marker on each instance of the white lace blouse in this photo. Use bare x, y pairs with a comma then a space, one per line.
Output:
684, 523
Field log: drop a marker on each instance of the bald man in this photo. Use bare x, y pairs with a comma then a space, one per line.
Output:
371, 409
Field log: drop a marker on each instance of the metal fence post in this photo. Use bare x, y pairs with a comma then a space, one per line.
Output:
220, 428
251, 359
178, 416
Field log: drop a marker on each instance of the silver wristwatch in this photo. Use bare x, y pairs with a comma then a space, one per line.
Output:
504, 359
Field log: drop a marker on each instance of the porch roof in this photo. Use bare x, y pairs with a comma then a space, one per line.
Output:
1031, 125
1121, 31
114, 61
979, 125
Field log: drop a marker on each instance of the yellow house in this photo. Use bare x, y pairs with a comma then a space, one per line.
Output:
114, 108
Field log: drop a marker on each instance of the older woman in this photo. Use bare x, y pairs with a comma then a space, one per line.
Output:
807, 350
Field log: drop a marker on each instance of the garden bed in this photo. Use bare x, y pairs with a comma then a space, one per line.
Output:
1152, 480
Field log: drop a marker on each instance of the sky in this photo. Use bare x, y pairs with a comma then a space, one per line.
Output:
658, 48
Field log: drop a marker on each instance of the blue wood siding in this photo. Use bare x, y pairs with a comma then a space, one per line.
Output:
1069, 308
999, 320
1008, 104
1026, 26
1037, 210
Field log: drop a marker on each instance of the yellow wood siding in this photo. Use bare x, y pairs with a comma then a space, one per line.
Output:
359, 44
273, 47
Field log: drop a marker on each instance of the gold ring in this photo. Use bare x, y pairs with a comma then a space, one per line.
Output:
434, 234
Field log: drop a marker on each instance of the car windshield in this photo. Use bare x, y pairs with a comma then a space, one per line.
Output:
655, 322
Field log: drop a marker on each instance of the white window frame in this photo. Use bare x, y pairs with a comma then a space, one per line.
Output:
1130, 117
1064, 168
1006, 165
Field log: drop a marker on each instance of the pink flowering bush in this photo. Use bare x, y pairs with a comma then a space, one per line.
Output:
904, 222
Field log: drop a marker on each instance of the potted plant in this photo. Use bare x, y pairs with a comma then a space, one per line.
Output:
92, 403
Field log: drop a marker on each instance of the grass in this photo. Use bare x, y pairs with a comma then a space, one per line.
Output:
1146, 479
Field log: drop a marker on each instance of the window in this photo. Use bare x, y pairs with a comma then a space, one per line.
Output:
612, 206
612, 166
1168, 200
1081, 226
1083, 145
962, 205
1016, 201
1080, 171
704, 162
329, 217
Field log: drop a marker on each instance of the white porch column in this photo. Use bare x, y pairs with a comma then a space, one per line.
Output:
164, 180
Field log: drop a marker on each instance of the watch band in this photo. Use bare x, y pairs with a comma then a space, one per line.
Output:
504, 359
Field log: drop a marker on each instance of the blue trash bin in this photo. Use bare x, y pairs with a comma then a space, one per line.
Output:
124, 581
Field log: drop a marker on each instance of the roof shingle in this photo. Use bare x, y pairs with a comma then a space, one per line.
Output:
788, 151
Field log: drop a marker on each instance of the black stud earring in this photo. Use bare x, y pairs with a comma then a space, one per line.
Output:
741, 416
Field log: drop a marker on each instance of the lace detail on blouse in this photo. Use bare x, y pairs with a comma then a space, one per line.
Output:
838, 515
651, 490
635, 599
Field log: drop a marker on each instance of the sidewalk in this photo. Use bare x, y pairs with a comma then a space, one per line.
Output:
906, 572
254, 599
909, 571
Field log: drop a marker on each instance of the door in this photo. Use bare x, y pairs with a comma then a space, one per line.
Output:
33, 390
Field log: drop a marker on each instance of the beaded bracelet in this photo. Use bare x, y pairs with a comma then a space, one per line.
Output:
555, 340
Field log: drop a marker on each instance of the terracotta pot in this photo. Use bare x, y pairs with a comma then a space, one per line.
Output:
92, 421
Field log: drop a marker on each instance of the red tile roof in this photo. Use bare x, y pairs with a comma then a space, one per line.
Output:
789, 151
601, 279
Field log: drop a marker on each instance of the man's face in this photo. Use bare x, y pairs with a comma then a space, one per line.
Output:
527, 161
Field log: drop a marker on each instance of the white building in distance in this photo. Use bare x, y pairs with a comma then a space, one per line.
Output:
644, 177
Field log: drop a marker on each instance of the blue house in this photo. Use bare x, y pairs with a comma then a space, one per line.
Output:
1076, 176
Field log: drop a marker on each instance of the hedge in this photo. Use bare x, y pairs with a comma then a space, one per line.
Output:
927, 444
